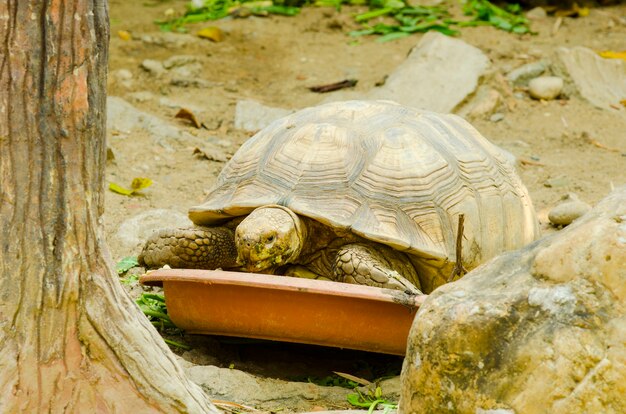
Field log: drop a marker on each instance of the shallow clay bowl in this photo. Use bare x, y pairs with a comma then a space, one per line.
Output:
287, 309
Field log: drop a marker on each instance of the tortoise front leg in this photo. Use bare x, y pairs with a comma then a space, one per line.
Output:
378, 266
193, 248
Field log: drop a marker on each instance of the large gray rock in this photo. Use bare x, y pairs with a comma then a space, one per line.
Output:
135, 230
253, 116
125, 119
439, 73
600, 81
539, 330
264, 393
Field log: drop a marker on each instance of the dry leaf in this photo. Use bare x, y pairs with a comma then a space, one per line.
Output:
212, 33
124, 35
211, 154
188, 115
348, 83
358, 380
138, 183
609, 54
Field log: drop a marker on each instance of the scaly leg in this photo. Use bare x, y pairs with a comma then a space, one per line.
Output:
193, 248
375, 265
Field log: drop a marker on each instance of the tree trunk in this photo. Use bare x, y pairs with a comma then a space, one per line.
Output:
71, 340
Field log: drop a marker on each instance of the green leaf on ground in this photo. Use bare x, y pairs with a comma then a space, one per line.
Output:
126, 264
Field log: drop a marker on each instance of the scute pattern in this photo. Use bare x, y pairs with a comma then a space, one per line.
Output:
389, 173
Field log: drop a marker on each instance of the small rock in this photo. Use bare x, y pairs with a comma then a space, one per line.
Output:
556, 182
186, 82
170, 40
486, 103
545, 87
179, 60
123, 77
497, 117
191, 70
568, 210
521, 75
537, 13
153, 67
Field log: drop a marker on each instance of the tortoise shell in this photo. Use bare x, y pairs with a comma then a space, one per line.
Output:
389, 173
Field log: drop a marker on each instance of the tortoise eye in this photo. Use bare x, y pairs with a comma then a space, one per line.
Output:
270, 238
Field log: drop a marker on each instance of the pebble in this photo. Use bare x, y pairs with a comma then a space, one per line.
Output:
191, 70
170, 40
497, 117
523, 74
545, 87
185, 82
556, 182
179, 60
153, 67
123, 77
486, 104
568, 210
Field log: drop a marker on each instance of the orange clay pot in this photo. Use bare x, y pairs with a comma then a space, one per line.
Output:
287, 309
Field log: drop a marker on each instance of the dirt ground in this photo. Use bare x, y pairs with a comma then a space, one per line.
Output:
573, 146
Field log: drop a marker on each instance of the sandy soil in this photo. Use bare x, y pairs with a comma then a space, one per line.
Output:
274, 60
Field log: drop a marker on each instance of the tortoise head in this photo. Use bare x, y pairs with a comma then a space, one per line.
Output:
269, 237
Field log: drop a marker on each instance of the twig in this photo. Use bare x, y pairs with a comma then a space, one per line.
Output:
348, 83
230, 404
524, 161
557, 25
595, 143
459, 269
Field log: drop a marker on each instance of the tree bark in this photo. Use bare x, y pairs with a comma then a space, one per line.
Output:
71, 340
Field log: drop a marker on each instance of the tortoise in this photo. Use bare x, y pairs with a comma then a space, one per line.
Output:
366, 192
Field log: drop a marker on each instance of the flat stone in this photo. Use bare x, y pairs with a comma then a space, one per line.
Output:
153, 67
179, 60
569, 209
124, 118
253, 116
485, 103
600, 81
133, 232
539, 330
267, 394
170, 40
191, 70
186, 82
545, 87
439, 73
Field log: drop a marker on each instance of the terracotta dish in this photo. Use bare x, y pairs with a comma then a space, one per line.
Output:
287, 309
